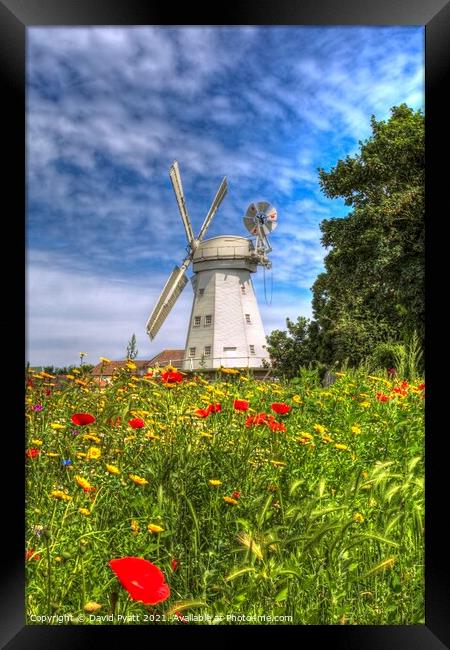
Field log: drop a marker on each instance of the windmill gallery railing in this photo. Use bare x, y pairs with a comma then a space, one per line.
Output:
208, 362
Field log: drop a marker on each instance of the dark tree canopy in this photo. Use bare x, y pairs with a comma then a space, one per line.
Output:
372, 289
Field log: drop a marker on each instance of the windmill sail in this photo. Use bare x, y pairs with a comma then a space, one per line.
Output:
213, 209
175, 177
172, 289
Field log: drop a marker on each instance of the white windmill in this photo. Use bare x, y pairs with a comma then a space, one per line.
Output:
225, 327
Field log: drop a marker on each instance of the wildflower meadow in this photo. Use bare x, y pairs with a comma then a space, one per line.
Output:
173, 499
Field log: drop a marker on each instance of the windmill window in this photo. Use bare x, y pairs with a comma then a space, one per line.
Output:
201, 292
197, 321
229, 349
252, 349
208, 319
207, 352
247, 318
192, 352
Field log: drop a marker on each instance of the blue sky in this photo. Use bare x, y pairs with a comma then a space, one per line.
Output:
109, 109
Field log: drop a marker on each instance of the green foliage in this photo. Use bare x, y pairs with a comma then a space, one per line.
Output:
132, 350
290, 350
372, 289
387, 355
409, 359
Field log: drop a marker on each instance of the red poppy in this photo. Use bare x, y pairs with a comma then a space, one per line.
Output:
30, 383
236, 495
143, 580
382, 398
148, 375
89, 489
136, 423
48, 392
421, 387
32, 453
259, 418
174, 564
281, 408
172, 377
277, 426
241, 405
29, 554
215, 408
202, 413
82, 419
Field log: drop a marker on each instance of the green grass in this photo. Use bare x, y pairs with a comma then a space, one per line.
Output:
323, 535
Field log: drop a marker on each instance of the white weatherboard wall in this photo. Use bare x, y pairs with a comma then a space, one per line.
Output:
224, 291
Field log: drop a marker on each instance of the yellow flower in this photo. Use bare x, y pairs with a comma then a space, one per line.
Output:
46, 374
70, 376
105, 360
57, 425
81, 382
93, 453
129, 439
230, 500
90, 436
340, 446
340, 374
131, 365
84, 511
154, 528
229, 371
326, 439
52, 454
138, 479
206, 435
278, 463
297, 399
214, 482
305, 438
358, 517
36, 442
152, 436
356, 429
81, 454
75, 371
59, 494
319, 429
112, 469
82, 482
92, 607
365, 404
134, 526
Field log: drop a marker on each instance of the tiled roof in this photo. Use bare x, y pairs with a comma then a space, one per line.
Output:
108, 368
167, 356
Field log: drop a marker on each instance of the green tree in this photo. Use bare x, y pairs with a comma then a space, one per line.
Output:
372, 289
290, 350
132, 350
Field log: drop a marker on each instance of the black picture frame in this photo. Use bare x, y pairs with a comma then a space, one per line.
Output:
15, 17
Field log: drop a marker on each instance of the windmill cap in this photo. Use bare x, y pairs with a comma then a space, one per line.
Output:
223, 247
